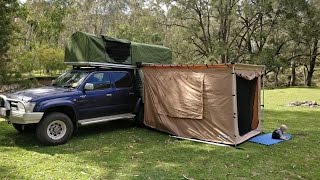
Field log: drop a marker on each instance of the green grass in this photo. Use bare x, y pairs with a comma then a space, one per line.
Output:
119, 150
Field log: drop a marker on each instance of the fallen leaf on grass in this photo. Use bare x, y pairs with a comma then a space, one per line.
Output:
254, 174
185, 177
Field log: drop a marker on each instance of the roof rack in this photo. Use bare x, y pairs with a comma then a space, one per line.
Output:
100, 65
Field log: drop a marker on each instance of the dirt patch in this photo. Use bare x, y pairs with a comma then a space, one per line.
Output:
9, 88
26, 84
45, 80
311, 104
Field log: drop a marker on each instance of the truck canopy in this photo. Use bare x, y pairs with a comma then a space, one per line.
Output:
84, 47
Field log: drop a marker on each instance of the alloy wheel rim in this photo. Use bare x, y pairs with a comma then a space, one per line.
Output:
56, 129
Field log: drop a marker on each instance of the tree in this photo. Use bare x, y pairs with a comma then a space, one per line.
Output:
313, 30
45, 21
196, 18
303, 27
51, 59
281, 34
8, 13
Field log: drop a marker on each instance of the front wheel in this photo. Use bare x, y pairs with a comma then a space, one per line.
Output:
54, 129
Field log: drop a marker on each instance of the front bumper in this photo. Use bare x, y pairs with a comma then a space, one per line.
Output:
18, 117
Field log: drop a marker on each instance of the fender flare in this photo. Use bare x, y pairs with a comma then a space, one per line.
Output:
45, 105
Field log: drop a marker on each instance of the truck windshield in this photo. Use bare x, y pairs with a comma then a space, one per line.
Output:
70, 79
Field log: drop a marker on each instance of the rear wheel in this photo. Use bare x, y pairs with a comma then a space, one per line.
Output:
55, 129
139, 119
22, 128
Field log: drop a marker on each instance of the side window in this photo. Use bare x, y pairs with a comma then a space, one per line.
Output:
100, 80
122, 79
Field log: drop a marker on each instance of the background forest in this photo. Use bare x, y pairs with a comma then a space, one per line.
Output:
281, 34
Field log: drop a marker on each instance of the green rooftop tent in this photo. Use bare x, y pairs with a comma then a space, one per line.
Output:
84, 47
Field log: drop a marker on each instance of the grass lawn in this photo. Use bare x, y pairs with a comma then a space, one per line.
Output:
119, 150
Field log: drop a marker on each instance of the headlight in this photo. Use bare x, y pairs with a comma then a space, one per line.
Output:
26, 107
30, 106
20, 106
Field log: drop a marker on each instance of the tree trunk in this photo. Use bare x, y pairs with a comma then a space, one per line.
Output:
293, 73
224, 11
313, 59
276, 76
305, 75
309, 78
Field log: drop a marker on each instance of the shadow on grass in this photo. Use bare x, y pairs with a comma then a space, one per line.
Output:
28, 140
105, 128
122, 150
9, 172
4, 171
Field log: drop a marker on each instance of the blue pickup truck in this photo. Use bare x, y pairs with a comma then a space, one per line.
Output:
81, 96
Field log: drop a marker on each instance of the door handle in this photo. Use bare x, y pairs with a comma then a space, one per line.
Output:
108, 95
131, 93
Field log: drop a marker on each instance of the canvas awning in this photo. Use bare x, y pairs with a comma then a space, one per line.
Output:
217, 103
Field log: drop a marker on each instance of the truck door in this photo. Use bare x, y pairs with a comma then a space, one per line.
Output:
97, 102
124, 97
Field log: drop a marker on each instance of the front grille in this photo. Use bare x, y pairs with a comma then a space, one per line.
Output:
13, 105
1, 102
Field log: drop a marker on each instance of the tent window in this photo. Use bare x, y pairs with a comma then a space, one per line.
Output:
117, 51
246, 92
181, 96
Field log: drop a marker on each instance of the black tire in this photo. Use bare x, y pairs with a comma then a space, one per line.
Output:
54, 129
139, 119
24, 128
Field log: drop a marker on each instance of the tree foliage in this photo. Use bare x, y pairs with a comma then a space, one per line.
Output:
8, 12
281, 34
44, 57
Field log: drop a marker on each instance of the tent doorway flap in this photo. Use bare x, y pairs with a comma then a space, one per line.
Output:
247, 102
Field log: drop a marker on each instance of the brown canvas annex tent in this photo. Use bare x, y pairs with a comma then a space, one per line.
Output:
216, 103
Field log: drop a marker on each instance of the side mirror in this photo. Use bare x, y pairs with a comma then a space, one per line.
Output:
88, 87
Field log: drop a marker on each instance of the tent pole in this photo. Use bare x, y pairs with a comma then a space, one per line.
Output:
262, 105
235, 108
201, 141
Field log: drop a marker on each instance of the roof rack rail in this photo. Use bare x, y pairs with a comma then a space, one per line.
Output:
100, 65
